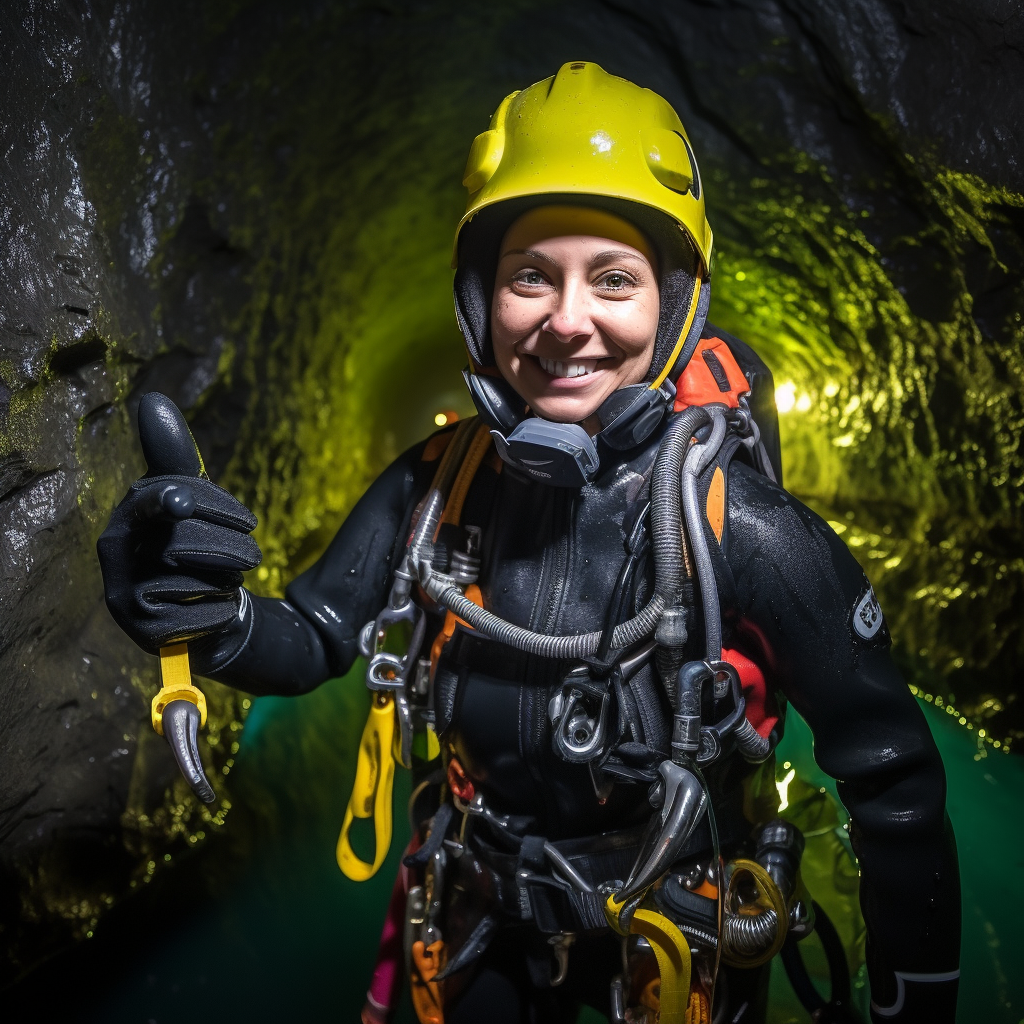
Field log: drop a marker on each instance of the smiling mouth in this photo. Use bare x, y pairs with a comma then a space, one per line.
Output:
568, 368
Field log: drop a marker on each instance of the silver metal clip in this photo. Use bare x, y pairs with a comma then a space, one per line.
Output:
578, 736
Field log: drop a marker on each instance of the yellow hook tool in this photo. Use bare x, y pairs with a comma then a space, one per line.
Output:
371, 793
176, 488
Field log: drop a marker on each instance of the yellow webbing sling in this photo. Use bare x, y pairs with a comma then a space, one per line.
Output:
371, 792
672, 952
375, 766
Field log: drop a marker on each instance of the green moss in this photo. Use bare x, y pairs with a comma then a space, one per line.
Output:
902, 424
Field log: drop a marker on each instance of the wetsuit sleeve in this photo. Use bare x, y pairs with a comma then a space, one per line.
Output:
806, 611
292, 646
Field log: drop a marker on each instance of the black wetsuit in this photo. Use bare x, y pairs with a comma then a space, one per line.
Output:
789, 593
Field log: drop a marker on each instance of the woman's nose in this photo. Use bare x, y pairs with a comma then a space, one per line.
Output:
570, 318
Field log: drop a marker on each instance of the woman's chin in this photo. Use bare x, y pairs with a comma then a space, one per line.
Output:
566, 408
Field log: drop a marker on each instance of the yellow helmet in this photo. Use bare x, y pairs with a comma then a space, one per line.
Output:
585, 132
585, 138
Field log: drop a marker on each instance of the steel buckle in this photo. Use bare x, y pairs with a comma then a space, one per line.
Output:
578, 734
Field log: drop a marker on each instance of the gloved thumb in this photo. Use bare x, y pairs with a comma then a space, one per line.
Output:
167, 443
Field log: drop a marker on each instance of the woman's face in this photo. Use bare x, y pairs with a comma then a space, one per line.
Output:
575, 310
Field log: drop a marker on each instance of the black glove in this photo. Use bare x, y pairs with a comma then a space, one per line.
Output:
174, 550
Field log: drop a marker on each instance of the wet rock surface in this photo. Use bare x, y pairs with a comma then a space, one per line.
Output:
248, 207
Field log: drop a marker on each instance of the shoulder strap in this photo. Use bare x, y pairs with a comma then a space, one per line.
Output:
478, 447
711, 375
724, 369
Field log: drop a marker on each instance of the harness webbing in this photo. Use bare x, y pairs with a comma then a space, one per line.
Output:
478, 446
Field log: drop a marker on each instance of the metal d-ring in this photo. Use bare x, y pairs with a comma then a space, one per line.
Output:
578, 736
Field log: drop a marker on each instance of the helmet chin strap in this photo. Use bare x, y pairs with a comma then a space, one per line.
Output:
564, 454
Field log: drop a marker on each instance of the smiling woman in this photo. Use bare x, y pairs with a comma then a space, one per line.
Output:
575, 310
870, 244
582, 643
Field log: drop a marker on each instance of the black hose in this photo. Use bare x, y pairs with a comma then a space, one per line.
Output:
697, 460
623, 586
666, 503
796, 971
838, 971
669, 540
687, 720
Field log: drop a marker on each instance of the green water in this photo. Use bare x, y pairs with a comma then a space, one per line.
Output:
292, 938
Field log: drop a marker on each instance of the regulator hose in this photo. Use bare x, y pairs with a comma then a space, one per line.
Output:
697, 460
666, 531
445, 593
752, 745
839, 972
752, 938
669, 539
666, 510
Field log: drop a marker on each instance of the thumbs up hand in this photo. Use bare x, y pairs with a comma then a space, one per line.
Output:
175, 548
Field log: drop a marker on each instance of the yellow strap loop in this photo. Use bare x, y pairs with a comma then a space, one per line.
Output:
673, 954
380, 745
371, 793
671, 950
176, 679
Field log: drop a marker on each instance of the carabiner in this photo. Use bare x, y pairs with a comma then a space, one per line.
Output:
578, 736
712, 737
387, 670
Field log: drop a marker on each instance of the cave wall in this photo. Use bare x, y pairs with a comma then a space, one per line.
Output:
249, 206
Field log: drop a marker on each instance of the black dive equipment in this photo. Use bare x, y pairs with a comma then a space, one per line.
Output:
564, 454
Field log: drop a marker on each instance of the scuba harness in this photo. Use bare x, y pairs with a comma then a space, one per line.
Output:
738, 913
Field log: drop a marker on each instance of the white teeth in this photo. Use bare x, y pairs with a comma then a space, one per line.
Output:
577, 368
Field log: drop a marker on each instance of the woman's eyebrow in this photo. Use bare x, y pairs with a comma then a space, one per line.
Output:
532, 253
616, 254
605, 256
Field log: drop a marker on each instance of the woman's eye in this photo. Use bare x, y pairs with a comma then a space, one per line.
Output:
616, 282
531, 278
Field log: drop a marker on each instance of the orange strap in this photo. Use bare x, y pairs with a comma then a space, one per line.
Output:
478, 448
427, 1000
451, 620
